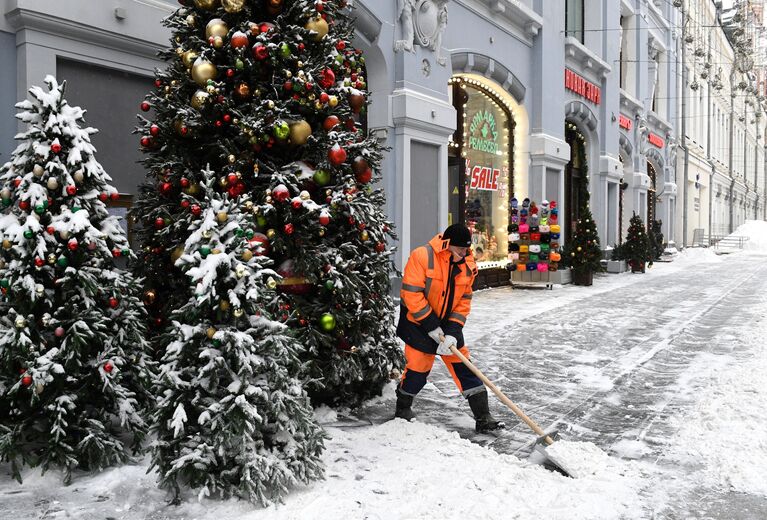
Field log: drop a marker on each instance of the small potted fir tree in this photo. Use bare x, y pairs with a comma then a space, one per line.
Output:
583, 253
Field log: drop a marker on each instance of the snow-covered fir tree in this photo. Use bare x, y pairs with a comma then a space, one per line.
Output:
231, 419
637, 249
270, 95
73, 373
583, 253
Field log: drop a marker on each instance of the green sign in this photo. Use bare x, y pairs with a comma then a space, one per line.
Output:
483, 132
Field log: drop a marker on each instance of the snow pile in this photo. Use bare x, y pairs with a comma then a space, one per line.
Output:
756, 231
697, 255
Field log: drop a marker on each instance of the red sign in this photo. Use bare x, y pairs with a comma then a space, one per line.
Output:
582, 87
624, 122
484, 178
656, 140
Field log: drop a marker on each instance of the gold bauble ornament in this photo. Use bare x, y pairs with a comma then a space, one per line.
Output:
233, 6
193, 189
78, 176
239, 271
319, 26
202, 71
218, 42
270, 233
150, 296
206, 4
20, 322
238, 312
300, 132
39, 289
333, 101
304, 195
271, 283
51, 259
211, 332
64, 234
216, 251
248, 205
199, 98
247, 255
364, 236
39, 388
53, 184
191, 20
223, 305
207, 234
222, 216
188, 58
322, 232
231, 158
210, 89
216, 27
38, 170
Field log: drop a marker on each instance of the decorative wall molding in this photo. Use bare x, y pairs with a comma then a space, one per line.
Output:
471, 62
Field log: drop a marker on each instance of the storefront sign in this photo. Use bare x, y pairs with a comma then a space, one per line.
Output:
484, 178
582, 87
656, 140
624, 122
483, 133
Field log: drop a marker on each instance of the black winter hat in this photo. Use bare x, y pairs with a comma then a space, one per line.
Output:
458, 235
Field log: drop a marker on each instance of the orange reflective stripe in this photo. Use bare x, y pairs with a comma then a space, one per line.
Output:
422, 313
458, 317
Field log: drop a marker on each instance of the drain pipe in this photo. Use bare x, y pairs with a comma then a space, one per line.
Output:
684, 132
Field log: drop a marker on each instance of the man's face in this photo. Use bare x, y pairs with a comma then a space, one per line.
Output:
458, 252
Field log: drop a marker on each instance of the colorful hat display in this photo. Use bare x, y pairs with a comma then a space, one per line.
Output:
524, 248
524, 237
521, 267
555, 228
555, 257
545, 247
545, 238
524, 228
513, 247
543, 267
533, 257
514, 202
535, 237
533, 220
534, 248
543, 228
532, 266
513, 237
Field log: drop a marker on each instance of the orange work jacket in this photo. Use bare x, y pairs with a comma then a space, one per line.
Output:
435, 293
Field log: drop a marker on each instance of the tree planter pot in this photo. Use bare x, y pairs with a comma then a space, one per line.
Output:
583, 277
616, 266
637, 267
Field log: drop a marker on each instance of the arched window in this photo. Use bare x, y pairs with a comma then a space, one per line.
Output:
576, 179
481, 180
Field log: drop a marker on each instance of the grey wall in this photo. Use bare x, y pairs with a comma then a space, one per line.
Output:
7, 95
423, 202
111, 99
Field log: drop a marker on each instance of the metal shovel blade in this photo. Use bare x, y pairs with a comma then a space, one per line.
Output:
539, 455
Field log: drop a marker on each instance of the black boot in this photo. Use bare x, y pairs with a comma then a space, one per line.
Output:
404, 403
481, 411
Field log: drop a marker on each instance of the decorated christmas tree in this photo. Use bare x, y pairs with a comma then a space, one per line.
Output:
232, 420
583, 252
655, 239
636, 249
270, 96
73, 376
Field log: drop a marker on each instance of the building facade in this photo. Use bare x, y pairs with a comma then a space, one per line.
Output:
479, 101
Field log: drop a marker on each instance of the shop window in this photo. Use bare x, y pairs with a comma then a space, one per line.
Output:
574, 19
481, 180
576, 179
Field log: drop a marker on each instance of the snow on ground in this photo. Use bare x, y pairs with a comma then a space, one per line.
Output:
400, 470
756, 231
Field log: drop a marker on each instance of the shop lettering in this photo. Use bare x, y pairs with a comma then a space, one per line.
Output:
484, 178
656, 140
583, 88
483, 123
624, 122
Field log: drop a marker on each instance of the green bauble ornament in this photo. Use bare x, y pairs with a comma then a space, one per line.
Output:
4, 283
62, 261
281, 130
40, 209
330, 285
261, 221
28, 234
285, 50
321, 177
328, 322
204, 251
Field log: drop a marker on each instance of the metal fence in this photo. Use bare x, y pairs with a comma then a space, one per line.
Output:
719, 242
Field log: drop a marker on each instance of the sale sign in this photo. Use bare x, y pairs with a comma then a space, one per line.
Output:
484, 178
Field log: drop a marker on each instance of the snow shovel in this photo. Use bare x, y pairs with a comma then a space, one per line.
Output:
544, 439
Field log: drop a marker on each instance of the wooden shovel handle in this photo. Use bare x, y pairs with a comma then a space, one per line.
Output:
505, 400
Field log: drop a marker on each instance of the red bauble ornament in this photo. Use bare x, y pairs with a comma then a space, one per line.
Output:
185, 204
336, 155
72, 244
196, 210
260, 51
301, 47
159, 223
39, 262
364, 177
114, 195
330, 123
113, 302
26, 380
289, 229
108, 367
56, 147
341, 45
259, 244
356, 101
327, 78
165, 188
324, 98
380, 247
146, 142
184, 182
71, 190
281, 193
154, 130
296, 203
103, 196
50, 230
145, 106
232, 179
116, 253
239, 39
324, 219
227, 118
24, 205
288, 85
